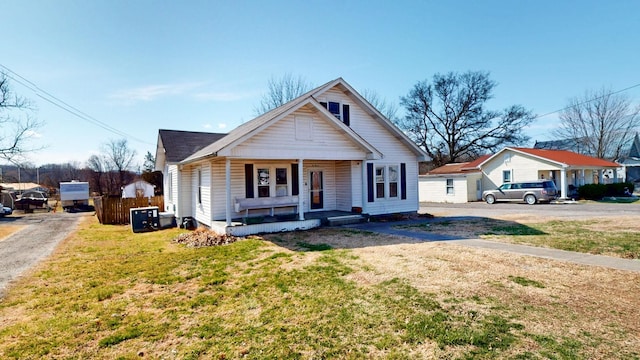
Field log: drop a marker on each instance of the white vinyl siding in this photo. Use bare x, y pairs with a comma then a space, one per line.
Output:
522, 168
201, 179
344, 198
281, 141
435, 188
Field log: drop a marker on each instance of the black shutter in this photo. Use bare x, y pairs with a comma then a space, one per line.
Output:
403, 181
370, 182
345, 114
295, 189
248, 181
323, 104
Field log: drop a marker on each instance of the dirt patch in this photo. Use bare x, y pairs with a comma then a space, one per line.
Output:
203, 237
7, 230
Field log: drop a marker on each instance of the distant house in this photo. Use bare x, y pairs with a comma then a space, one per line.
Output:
631, 161
328, 150
567, 169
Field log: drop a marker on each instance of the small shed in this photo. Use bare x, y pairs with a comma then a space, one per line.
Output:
138, 189
452, 183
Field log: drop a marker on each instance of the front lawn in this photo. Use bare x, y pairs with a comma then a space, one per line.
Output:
614, 237
107, 293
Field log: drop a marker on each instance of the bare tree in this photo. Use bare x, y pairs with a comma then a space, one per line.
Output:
98, 169
282, 90
602, 123
118, 157
448, 119
389, 110
16, 124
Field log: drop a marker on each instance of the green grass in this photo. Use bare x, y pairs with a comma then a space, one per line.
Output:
109, 293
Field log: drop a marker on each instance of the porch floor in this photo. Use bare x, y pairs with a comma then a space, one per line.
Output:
323, 216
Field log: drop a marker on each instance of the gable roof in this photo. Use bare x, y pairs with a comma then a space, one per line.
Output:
250, 128
178, 145
560, 157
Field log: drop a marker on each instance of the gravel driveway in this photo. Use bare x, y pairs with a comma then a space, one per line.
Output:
24, 248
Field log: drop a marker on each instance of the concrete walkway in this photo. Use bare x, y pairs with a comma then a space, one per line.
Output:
554, 254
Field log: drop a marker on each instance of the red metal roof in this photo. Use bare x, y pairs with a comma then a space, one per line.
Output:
453, 168
567, 157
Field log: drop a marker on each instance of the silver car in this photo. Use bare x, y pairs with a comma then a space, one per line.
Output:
530, 192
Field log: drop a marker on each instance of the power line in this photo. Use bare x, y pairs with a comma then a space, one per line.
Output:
588, 101
43, 94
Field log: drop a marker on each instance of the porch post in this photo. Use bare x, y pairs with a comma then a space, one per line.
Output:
227, 175
563, 183
600, 177
300, 190
363, 179
581, 177
615, 175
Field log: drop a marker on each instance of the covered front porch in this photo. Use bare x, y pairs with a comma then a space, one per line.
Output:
568, 179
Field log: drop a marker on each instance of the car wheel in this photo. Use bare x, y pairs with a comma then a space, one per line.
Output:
490, 199
530, 199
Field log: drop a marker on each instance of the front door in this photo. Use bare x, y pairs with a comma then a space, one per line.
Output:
315, 190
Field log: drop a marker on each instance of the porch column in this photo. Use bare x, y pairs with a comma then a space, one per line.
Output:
615, 175
600, 177
581, 177
300, 189
563, 183
227, 175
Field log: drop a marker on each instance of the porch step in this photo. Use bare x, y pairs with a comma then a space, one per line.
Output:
345, 219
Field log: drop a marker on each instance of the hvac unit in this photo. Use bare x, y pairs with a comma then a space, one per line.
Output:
144, 219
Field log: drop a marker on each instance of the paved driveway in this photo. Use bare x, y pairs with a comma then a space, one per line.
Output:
574, 211
41, 234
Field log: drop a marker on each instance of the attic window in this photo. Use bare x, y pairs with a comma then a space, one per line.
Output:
340, 112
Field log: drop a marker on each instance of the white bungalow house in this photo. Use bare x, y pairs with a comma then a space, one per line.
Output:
567, 169
327, 150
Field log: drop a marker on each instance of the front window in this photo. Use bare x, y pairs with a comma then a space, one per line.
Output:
263, 182
449, 186
393, 181
282, 188
380, 182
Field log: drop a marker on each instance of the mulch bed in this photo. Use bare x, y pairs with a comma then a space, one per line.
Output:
204, 237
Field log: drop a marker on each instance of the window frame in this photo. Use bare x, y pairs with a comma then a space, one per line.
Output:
380, 186
450, 189
273, 185
505, 178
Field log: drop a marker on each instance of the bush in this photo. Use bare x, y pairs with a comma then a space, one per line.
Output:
598, 191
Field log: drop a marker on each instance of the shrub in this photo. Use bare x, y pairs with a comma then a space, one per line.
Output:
598, 191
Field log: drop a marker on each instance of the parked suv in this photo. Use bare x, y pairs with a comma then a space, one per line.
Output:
529, 191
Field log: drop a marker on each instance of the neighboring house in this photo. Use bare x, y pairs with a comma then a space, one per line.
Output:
138, 189
327, 150
631, 161
452, 183
567, 169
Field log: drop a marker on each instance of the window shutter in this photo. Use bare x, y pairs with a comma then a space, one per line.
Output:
324, 104
370, 182
403, 181
345, 115
248, 181
295, 189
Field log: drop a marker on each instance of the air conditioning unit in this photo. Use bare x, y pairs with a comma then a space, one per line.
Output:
144, 219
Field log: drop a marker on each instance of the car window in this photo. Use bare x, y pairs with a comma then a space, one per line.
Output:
505, 187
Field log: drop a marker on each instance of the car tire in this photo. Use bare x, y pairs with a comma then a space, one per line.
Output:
530, 199
490, 199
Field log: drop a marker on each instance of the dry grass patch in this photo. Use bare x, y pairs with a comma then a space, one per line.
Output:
7, 230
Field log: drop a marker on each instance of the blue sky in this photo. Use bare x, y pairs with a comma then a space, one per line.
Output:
139, 66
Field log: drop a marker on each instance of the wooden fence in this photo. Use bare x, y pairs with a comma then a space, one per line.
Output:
115, 210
